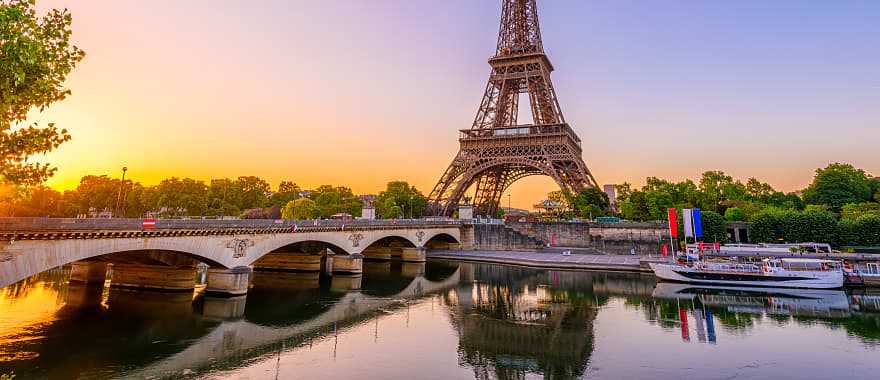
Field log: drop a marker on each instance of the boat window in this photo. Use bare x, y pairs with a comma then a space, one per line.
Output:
873, 268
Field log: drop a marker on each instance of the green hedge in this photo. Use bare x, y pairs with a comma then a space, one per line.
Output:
794, 226
864, 231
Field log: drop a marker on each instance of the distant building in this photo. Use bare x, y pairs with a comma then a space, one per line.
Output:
612, 196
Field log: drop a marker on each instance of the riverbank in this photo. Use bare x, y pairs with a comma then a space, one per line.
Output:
555, 260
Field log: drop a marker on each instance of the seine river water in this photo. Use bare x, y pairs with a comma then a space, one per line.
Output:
442, 320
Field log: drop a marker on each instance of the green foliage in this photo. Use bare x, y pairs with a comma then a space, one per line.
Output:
734, 214
287, 191
853, 211
35, 58
714, 227
862, 231
182, 197
330, 200
590, 203
775, 225
300, 209
839, 184
400, 200
252, 192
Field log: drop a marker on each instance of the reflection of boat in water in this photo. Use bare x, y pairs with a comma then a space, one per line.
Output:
775, 273
784, 301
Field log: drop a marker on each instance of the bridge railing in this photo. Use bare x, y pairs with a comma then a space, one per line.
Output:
123, 224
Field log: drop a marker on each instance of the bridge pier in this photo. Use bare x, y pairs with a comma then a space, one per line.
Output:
412, 269
346, 264
346, 282
223, 307
289, 261
228, 282
377, 267
153, 277
83, 296
413, 255
88, 272
286, 280
377, 253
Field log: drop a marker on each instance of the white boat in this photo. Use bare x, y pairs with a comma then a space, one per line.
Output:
776, 273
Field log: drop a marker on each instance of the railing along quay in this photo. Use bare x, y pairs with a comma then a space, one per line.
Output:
12, 229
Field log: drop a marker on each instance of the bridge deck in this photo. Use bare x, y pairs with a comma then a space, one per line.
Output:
70, 228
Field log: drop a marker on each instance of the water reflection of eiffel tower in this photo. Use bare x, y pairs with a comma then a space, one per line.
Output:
506, 332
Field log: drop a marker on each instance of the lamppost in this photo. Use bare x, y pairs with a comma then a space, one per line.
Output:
119, 195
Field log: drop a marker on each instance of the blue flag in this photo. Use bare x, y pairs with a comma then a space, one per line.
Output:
698, 224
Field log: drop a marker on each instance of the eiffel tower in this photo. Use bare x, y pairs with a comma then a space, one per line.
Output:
497, 151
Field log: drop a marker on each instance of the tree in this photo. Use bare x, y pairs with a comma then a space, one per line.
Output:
95, 194
300, 209
734, 214
623, 191
331, 200
223, 195
590, 202
182, 197
757, 190
714, 227
853, 211
287, 191
400, 199
251, 192
718, 187
35, 58
838, 184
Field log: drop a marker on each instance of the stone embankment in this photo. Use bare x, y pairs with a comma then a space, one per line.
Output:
617, 238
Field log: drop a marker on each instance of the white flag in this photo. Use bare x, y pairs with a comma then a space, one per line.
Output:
688, 222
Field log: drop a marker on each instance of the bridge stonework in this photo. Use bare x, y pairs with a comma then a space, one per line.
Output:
33, 247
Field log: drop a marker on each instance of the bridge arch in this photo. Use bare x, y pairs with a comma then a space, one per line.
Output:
441, 237
389, 240
32, 257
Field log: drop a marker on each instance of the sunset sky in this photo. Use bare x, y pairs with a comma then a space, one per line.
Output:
360, 92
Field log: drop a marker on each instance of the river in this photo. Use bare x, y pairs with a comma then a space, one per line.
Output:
441, 320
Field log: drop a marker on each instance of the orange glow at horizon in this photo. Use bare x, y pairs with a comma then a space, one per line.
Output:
360, 93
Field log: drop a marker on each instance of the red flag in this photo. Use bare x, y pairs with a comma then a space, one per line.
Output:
685, 334
673, 223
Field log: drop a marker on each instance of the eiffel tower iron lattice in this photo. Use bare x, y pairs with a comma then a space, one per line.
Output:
497, 151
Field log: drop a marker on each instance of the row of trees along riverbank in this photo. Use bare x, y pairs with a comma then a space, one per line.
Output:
841, 206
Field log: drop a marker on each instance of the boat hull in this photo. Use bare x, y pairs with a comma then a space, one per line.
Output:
804, 280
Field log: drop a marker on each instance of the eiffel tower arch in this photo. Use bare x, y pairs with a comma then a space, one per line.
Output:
497, 151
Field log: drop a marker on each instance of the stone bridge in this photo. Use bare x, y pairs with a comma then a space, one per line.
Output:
166, 255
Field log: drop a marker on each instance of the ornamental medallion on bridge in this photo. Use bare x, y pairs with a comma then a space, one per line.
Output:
355, 239
239, 246
420, 235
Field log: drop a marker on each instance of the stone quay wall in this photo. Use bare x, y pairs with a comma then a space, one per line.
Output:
498, 237
617, 238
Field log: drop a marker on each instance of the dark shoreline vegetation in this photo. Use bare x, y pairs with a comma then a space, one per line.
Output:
840, 206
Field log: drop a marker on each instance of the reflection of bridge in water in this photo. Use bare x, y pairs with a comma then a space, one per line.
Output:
232, 342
